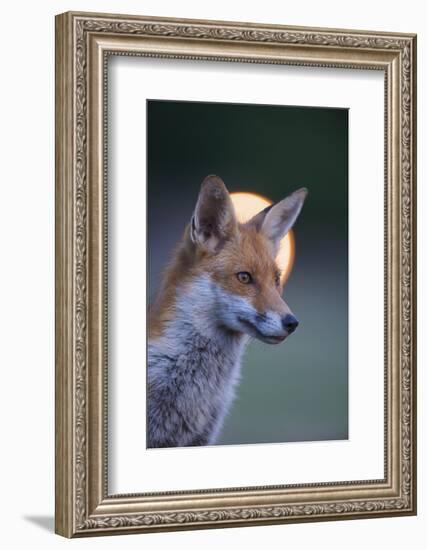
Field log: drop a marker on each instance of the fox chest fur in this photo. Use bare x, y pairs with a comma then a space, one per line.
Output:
190, 388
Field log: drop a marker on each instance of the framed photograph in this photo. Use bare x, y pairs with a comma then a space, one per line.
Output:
235, 274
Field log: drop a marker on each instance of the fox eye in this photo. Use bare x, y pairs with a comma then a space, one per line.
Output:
244, 277
277, 279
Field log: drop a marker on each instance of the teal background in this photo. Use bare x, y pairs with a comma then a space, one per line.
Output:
297, 391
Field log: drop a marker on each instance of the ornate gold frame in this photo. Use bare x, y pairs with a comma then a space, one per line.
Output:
83, 42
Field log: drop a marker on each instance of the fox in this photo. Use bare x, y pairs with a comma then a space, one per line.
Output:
221, 288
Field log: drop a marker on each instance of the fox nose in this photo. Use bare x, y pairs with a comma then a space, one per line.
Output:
289, 323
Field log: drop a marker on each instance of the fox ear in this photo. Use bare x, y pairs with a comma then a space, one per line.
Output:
214, 220
275, 221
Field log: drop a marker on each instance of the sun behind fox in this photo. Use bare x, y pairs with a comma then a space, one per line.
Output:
222, 287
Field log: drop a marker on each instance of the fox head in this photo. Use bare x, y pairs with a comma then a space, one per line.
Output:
239, 280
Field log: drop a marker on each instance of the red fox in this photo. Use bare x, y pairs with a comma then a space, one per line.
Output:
221, 288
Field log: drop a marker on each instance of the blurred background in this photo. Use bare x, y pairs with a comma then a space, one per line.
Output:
297, 391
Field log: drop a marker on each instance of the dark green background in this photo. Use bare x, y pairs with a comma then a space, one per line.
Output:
297, 391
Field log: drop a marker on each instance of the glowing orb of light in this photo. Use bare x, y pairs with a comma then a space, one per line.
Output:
246, 206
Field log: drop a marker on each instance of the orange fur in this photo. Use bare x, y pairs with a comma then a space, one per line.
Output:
247, 250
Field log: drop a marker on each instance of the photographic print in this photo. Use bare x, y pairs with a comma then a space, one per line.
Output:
235, 274
248, 274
